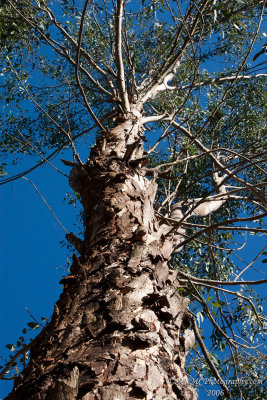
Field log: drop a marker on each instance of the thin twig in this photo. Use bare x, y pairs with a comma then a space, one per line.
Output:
250, 264
50, 209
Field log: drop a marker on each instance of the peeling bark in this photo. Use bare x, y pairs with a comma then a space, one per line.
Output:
117, 329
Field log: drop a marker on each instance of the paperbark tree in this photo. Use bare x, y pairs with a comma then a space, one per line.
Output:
121, 328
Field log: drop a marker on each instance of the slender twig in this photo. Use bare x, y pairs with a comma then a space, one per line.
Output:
250, 264
47, 205
61, 50
18, 176
33, 318
32, 98
220, 227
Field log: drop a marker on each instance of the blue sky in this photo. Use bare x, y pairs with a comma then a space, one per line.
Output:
32, 260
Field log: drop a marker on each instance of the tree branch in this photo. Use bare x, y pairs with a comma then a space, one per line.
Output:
250, 264
119, 59
47, 205
207, 357
223, 283
220, 80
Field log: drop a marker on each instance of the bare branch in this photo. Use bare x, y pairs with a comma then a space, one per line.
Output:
207, 357
119, 60
33, 100
220, 227
47, 205
36, 151
223, 283
153, 118
221, 79
250, 264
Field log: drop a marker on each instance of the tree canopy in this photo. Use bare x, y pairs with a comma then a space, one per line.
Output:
195, 71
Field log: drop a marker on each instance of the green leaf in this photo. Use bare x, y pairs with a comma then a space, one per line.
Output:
10, 347
216, 304
33, 325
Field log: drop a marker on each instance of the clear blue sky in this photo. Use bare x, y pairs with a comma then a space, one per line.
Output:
32, 260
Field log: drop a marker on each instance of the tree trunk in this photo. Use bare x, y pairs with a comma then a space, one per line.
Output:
117, 329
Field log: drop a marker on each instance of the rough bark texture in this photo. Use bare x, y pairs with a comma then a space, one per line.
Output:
117, 329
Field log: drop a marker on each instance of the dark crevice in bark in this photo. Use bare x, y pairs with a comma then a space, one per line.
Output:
137, 393
177, 391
